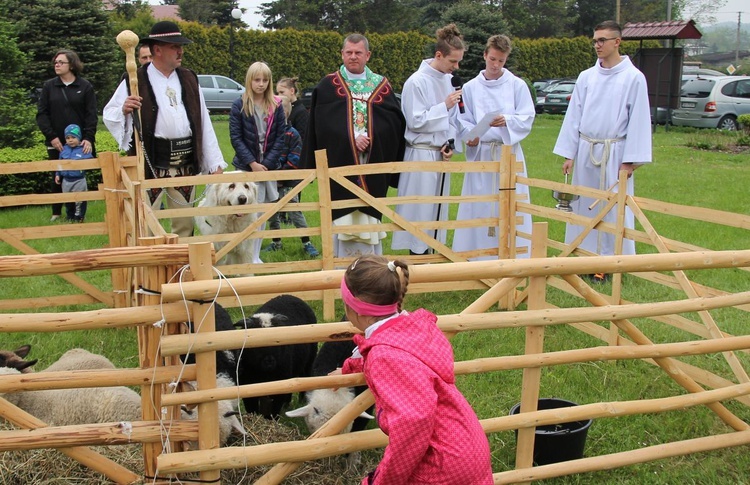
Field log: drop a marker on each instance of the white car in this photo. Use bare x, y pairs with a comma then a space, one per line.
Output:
713, 102
219, 91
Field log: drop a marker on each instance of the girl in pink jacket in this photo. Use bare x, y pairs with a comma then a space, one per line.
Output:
434, 434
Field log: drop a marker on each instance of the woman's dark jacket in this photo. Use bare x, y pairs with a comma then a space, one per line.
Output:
60, 105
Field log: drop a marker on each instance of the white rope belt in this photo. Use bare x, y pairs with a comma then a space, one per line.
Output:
601, 163
423, 146
495, 147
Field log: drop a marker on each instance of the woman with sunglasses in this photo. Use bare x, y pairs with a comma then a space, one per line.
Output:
66, 99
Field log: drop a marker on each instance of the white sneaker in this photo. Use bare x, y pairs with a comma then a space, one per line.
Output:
54, 217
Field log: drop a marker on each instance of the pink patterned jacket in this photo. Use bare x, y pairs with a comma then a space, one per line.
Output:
434, 435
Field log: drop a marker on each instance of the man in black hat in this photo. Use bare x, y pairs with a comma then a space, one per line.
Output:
176, 130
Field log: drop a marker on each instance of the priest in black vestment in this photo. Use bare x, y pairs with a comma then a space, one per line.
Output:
356, 117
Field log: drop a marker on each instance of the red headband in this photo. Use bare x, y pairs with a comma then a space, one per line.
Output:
364, 308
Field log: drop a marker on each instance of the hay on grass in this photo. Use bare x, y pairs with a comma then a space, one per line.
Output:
48, 467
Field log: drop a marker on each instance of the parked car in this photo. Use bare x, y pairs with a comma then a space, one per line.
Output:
557, 100
713, 102
690, 72
542, 87
219, 91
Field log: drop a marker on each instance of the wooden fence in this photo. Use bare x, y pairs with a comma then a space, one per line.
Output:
129, 218
136, 260
161, 344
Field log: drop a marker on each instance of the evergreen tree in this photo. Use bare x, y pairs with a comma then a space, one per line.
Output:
45, 26
343, 16
17, 111
477, 22
532, 19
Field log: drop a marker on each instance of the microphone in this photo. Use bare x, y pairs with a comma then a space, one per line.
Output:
457, 83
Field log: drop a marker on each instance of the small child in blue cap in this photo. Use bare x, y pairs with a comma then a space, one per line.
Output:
73, 180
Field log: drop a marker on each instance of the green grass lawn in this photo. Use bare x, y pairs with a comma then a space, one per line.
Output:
679, 174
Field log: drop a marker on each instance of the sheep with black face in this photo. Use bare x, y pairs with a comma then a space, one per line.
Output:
265, 364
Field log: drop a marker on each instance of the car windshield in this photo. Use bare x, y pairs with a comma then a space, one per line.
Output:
562, 89
697, 88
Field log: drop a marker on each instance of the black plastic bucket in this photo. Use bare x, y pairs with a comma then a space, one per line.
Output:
554, 443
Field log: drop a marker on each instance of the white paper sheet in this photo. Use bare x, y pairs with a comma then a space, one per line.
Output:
481, 127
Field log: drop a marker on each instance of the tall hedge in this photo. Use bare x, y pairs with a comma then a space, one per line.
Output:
310, 55
558, 58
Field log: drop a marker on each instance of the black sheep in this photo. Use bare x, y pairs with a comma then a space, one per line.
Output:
265, 364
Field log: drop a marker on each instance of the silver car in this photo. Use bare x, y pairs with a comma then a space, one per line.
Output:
713, 102
219, 91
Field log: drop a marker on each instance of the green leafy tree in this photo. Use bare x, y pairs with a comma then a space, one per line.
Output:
16, 110
45, 26
136, 17
584, 15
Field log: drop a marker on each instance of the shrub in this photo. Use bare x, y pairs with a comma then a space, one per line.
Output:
744, 121
39, 182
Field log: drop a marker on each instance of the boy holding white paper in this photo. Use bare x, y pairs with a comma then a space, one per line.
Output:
505, 99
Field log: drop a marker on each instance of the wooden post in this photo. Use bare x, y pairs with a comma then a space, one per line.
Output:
201, 267
326, 228
622, 188
534, 345
111, 187
149, 357
506, 214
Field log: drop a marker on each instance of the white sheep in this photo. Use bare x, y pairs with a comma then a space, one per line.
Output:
63, 407
323, 404
112, 404
80, 359
228, 410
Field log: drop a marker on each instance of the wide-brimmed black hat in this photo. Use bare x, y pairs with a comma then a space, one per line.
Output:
167, 32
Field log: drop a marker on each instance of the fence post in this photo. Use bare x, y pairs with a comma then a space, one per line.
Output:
112, 184
326, 228
201, 267
149, 357
534, 345
506, 216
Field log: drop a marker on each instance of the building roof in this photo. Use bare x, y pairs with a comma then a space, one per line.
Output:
165, 12
159, 12
668, 29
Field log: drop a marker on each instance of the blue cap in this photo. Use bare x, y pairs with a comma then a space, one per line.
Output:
73, 130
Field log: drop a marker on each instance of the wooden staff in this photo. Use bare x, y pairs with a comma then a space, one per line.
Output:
128, 40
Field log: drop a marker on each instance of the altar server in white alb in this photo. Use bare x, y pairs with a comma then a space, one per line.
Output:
607, 128
429, 103
498, 93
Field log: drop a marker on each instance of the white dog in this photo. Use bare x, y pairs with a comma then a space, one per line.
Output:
229, 194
